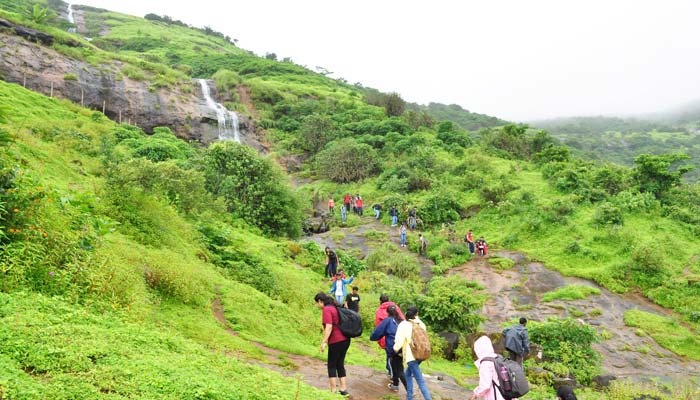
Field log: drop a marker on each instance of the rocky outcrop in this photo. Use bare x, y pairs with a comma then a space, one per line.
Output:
106, 87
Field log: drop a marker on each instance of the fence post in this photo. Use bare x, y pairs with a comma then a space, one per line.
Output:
104, 102
82, 97
51, 95
120, 116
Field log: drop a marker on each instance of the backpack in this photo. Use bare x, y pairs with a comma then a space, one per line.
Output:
350, 322
511, 377
420, 344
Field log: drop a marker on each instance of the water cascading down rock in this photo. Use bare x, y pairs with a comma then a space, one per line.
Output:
70, 18
228, 120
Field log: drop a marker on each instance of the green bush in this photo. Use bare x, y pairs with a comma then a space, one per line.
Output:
345, 161
607, 214
440, 207
389, 260
70, 77
253, 188
568, 342
570, 292
315, 132
452, 304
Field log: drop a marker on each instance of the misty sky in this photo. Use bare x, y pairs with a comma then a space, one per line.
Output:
518, 60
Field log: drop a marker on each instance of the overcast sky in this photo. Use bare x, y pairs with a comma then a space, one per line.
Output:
515, 59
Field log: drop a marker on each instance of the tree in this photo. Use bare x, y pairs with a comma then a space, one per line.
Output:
653, 173
253, 188
394, 105
315, 132
39, 14
271, 56
346, 160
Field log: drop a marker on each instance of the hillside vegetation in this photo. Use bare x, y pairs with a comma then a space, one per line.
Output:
116, 244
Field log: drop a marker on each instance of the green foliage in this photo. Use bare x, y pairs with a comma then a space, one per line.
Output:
570, 292
161, 146
345, 160
568, 342
315, 132
389, 260
70, 77
456, 114
452, 304
441, 207
607, 214
666, 332
653, 174
501, 263
38, 14
253, 188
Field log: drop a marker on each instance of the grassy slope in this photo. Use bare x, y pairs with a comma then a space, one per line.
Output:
160, 343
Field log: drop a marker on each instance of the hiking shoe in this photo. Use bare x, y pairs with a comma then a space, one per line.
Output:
395, 388
344, 393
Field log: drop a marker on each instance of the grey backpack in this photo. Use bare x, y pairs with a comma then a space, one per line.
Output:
511, 378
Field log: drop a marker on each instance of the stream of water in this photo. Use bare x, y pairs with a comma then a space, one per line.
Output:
70, 18
228, 120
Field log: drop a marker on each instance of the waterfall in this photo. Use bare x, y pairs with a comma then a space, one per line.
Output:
228, 120
71, 19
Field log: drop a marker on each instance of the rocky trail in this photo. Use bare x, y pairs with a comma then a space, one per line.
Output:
518, 291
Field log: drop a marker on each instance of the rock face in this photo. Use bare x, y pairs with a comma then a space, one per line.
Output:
105, 87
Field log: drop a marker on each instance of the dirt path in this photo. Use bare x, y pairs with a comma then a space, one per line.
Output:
518, 292
364, 383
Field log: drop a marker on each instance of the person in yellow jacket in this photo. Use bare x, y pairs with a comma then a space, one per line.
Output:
412, 366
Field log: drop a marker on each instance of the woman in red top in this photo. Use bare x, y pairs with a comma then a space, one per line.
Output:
337, 343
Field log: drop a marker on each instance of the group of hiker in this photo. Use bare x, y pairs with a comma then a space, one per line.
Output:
480, 247
356, 203
404, 339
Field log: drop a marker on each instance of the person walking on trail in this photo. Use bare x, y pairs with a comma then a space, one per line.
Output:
394, 214
331, 205
332, 263
423, 249
346, 201
352, 301
517, 341
481, 247
402, 343
470, 242
387, 330
486, 390
353, 200
403, 231
338, 288
358, 204
379, 315
343, 214
336, 342
412, 218
565, 393
377, 210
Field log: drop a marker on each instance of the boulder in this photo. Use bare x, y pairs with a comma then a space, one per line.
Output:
603, 381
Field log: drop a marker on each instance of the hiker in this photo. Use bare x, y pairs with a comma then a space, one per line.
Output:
344, 214
338, 287
332, 263
487, 371
403, 338
331, 204
379, 316
394, 213
517, 341
423, 249
352, 301
358, 204
346, 201
403, 230
377, 209
481, 247
387, 330
354, 204
470, 241
565, 393
412, 218
337, 343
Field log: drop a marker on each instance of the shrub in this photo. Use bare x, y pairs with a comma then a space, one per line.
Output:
570, 292
345, 161
607, 214
439, 207
452, 304
70, 77
389, 260
253, 188
315, 132
568, 342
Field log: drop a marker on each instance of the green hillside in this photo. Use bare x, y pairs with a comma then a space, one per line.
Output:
122, 253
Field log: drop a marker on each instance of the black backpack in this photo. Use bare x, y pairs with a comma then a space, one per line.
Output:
350, 322
511, 378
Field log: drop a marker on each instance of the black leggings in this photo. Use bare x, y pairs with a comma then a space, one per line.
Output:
336, 358
397, 373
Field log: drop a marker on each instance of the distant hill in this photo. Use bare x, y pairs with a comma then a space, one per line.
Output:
453, 112
600, 124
